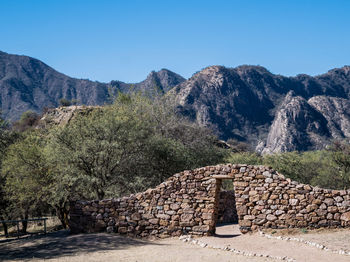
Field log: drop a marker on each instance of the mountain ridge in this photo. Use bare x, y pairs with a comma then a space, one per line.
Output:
27, 83
271, 112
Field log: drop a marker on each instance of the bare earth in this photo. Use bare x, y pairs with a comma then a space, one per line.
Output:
60, 246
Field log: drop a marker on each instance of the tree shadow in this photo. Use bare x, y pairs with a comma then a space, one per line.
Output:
61, 243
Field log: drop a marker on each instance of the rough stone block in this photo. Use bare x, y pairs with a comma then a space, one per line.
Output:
345, 217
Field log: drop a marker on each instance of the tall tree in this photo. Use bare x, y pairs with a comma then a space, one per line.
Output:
7, 137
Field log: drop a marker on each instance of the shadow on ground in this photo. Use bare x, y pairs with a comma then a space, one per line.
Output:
227, 230
61, 243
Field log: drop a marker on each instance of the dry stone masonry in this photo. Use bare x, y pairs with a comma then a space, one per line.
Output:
188, 203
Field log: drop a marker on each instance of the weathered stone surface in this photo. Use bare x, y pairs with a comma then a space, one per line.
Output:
270, 217
245, 223
186, 217
154, 221
329, 201
345, 217
110, 229
293, 201
202, 229
174, 206
99, 226
242, 210
135, 216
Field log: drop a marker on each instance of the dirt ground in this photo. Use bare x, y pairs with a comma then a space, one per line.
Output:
60, 246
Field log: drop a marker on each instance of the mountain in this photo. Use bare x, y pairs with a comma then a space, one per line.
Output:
28, 84
271, 112
159, 82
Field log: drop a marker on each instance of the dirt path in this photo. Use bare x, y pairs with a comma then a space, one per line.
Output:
61, 246
230, 236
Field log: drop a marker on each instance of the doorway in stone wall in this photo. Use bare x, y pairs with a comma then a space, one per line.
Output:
226, 224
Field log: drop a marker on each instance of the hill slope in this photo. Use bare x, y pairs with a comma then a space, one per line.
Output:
29, 84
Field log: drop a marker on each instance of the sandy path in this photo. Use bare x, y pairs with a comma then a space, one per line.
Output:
61, 246
230, 236
335, 239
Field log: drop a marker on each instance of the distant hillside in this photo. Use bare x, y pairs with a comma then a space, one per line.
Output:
29, 84
271, 112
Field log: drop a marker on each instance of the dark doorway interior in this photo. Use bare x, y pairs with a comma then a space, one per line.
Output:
227, 218
227, 212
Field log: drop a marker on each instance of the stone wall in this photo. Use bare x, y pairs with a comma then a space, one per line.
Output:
187, 203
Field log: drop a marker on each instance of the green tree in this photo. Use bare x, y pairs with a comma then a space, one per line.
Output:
340, 154
65, 102
128, 146
27, 121
7, 137
27, 177
249, 158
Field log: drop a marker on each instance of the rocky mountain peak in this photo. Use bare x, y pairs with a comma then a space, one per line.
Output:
251, 69
164, 80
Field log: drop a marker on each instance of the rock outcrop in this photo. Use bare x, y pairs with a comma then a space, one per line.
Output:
337, 113
270, 112
63, 115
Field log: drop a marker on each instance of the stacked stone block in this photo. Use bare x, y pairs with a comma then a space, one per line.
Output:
188, 203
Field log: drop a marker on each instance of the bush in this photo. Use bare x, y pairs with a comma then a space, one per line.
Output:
65, 102
324, 168
249, 158
28, 120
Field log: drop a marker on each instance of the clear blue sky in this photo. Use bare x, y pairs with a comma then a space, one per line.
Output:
125, 40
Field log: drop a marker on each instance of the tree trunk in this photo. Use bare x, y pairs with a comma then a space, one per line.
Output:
62, 216
25, 222
100, 194
5, 229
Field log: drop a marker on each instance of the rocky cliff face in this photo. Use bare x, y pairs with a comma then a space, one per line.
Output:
63, 115
296, 126
337, 113
271, 112
29, 84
